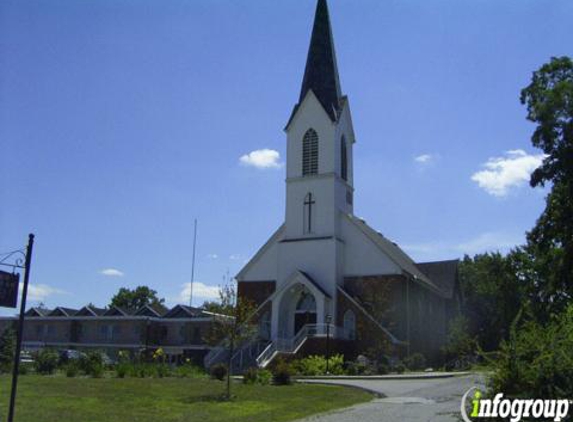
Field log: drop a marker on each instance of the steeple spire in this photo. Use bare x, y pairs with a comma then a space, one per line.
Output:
321, 72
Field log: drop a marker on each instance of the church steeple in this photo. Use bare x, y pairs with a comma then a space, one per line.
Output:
321, 72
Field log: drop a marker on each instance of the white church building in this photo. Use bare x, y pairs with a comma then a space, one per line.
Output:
325, 271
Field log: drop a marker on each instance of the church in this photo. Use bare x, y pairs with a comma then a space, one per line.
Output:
325, 273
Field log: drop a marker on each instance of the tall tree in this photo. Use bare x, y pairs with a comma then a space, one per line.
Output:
549, 101
136, 298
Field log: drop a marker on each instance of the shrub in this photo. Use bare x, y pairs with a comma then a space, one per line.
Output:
162, 370
399, 368
281, 373
188, 370
356, 368
257, 376
415, 362
218, 371
316, 365
536, 360
382, 369
46, 362
71, 370
92, 364
24, 369
121, 370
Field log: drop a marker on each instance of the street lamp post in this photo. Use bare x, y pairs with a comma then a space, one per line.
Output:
328, 320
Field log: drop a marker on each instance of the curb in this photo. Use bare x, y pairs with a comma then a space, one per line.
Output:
413, 376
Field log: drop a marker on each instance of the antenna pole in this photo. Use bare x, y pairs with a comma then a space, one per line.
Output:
193, 264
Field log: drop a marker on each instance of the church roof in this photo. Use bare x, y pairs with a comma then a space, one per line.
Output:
443, 273
321, 72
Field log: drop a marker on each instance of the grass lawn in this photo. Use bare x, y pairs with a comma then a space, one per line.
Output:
61, 399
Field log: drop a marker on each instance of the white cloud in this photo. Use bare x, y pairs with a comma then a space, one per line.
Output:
503, 173
262, 159
111, 272
424, 158
234, 257
200, 291
40, 292
212, 256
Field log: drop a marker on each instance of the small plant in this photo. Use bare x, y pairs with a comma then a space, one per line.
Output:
162, 370
24, 369
121, 370
92, 364
282, 373
382, 369
316, 365
189, 370
415, 362
46, 362
257, 376
399, 368
71, 370
218, 371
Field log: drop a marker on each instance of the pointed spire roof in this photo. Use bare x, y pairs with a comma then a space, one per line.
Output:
321, 72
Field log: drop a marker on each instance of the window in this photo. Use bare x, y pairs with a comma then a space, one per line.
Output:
343, 159
308, 213
306, 303
349, 323
310, 153
265, 326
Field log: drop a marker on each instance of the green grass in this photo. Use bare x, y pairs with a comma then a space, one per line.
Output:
61, 399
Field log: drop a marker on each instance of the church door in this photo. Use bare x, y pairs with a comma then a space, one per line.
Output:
305, 312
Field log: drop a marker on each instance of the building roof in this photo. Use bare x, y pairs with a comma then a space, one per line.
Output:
321, 71
39, 312
184, 310
443, 273
65, 312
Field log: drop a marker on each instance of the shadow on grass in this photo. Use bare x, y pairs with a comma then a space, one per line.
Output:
207, 398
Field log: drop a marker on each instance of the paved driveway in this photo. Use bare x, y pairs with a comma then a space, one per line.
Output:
427, 400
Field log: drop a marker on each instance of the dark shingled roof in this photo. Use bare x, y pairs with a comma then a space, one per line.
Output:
321, 73
444, 274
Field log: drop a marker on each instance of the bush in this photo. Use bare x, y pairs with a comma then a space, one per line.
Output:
399, 368
71, 370
382, 369
536, 360
415, 362
356, 368
121, 370
7, 350
188, 370
92, 364
281, 373
46, 362
218, 371
316, 365
162, 370
257, 376
24, 369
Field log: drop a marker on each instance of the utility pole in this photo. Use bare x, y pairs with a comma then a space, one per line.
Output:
193, 264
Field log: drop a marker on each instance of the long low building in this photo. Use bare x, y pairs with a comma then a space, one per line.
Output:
179, 331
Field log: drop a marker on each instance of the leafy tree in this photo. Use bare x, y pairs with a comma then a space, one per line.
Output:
493, 295
136, 298
7, 349
234, 326
549, 100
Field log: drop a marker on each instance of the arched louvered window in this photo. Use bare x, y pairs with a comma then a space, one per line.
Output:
343, 159
349, 324
310, 153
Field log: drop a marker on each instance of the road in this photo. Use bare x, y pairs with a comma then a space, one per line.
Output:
427, 400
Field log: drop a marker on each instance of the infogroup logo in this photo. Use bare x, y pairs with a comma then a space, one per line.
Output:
513, 409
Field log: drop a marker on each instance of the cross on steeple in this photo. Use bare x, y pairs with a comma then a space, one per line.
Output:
308, 203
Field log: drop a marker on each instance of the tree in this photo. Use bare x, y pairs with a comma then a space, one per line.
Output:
134, 299
232, 327
549, 100
493, 295
7, 349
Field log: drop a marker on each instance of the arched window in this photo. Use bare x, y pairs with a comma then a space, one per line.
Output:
349, 324
306, 303
343, 159
308, 213
310, 153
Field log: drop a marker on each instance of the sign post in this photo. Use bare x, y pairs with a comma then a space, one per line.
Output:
16, 365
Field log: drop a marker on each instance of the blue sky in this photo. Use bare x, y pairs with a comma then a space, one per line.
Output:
121, 121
